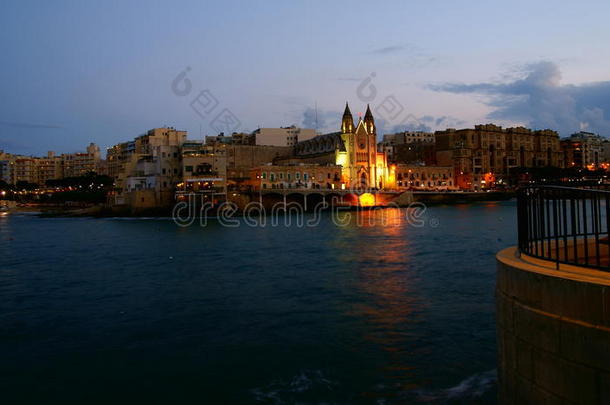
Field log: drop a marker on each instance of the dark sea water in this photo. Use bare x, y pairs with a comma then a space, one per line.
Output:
144, 311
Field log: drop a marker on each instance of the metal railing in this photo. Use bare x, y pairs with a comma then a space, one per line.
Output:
565, 225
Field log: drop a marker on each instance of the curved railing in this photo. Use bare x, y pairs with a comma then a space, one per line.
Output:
565, 225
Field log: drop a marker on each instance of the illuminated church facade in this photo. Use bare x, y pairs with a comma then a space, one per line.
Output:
354, 148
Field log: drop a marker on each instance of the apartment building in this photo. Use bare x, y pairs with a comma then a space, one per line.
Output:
481, 154
406, 146
583, 149
81, 163
147, 169
425, 177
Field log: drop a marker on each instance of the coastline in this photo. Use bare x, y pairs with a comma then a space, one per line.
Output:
105, 211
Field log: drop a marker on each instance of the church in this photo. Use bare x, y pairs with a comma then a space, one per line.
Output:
354, 148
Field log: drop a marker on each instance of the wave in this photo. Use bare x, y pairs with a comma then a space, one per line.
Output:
306, 386
472, 388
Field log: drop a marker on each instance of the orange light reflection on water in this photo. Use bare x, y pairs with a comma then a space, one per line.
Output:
391, 301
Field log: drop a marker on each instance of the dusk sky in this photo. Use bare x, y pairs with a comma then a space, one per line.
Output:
83, 71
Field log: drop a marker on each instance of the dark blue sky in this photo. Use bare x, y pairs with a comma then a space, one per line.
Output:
102, 71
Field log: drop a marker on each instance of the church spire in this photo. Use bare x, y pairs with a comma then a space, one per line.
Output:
347, 123
369, 121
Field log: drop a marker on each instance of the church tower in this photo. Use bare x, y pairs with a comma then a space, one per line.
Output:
369, 121
347, 123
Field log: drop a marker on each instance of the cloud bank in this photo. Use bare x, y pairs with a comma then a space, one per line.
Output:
539, 100
330, 121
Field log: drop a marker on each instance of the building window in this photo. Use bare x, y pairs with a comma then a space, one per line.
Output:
272, 176
188, 168
297, 175
281, 174
264, 175
305, 176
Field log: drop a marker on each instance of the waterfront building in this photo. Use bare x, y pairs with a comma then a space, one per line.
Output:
198, 158
354, 148
424, 177
50, 167
418, 153
573, 153
242, 158
25, 170
402, 143
606, 153
147, 169
204, 168
120, 158
38, 170
81, 163
297, 176
6, 171
482, 155
583, 149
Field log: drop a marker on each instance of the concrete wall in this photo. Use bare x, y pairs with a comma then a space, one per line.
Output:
553, 330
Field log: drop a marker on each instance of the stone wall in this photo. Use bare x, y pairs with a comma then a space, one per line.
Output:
553, 330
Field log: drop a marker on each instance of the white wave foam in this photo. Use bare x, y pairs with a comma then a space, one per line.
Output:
472, 387
288, 391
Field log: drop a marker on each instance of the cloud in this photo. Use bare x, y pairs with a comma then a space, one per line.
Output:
409, 56
388, 49
443, 122
349, 79
323, 120
426, 123
412, 123
538, 99
28, 125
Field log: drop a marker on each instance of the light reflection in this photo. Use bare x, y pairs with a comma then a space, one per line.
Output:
382, 276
